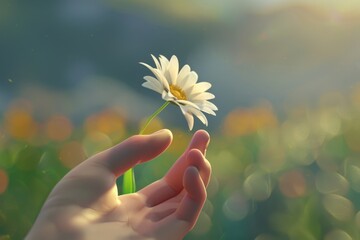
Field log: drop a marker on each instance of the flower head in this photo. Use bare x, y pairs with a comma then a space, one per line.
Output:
181, 88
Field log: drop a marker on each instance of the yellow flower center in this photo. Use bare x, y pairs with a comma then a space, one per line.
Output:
177, 92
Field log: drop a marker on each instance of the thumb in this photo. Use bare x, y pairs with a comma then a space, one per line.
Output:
132, 151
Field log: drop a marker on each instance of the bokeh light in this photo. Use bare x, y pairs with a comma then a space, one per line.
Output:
293, 184
272, 158
95, 142
329, 122
258, 186
236, 207
241, 122
331, 183
155, 125
339, 207
354, 177
58, 128
213, 187
352, 135
19, 123
225, 165
71, 154
357, 220
180, 141
109, 122
203, 224
295, 134
338, 234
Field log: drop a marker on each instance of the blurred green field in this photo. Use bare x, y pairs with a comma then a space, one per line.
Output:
291, 177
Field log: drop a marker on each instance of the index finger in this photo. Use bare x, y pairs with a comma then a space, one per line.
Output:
134, 150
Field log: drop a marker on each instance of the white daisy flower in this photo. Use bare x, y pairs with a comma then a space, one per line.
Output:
181, 88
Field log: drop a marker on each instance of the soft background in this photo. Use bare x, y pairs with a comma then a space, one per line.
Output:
285, 145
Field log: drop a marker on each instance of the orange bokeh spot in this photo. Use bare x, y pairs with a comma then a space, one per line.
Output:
108, 122
180, 141
246, 121
292, 184
19, 123
4, 181
71, 154
96, 142
58, 128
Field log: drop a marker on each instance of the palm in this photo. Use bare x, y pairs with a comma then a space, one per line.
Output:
86, 205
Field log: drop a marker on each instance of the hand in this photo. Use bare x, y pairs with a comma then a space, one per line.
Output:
85, 204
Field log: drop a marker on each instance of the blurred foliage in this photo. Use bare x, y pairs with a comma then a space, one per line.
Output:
294, 177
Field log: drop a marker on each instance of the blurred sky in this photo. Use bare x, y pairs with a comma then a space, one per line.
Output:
78, 56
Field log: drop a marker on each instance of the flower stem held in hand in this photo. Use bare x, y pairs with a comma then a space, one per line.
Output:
129, 184
159, 110
181, 88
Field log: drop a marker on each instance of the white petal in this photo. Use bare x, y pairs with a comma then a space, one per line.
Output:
185, 70
158, 66
189, 118
208, 111
202, 96
159, 75
206, 104
211, 105
173, 69
189, 81
167, 96
151, 86
154, 81
164, 96
206, 107
164, 62
188, 103
201, 87
199, 115
148, 66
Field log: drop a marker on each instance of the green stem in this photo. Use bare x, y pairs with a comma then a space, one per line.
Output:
153, 116
129, 185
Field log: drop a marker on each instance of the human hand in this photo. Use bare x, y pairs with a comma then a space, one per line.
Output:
85, 204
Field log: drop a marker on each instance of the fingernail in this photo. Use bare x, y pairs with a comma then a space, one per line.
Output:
158, 132
208, 138
162, 132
